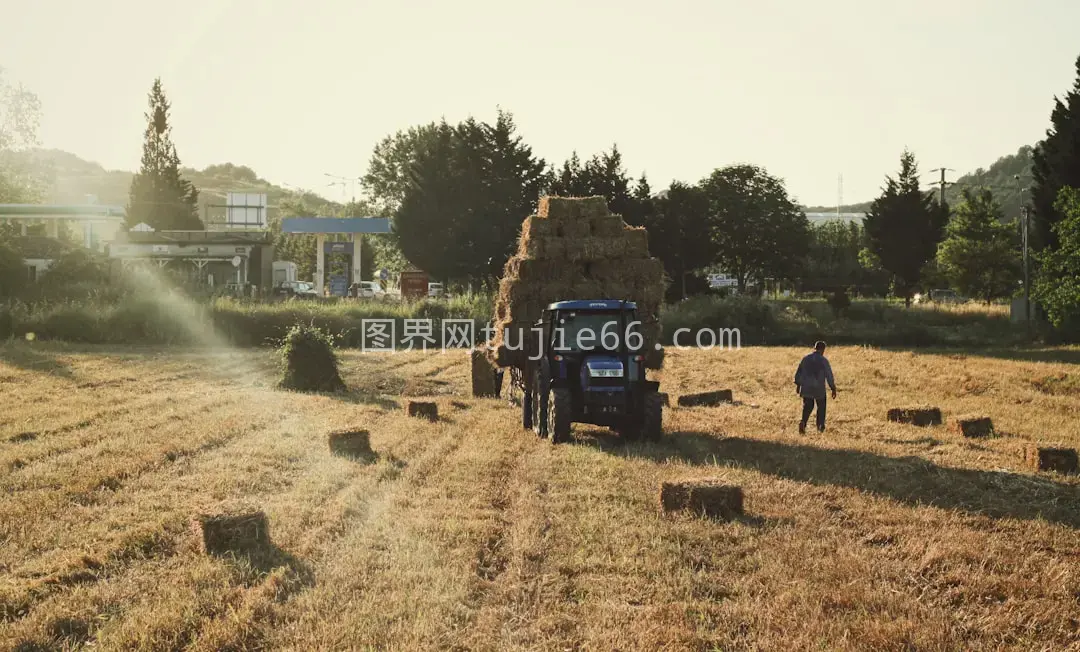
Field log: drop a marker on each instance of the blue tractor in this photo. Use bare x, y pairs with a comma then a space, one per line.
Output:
587, 365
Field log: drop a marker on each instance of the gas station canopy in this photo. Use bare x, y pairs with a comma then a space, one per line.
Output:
335, 225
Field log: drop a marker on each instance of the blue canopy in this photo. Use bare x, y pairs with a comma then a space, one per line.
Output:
335, 225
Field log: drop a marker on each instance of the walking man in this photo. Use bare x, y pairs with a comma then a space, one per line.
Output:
810, 378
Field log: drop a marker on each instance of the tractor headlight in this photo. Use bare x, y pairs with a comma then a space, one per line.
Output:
605, 373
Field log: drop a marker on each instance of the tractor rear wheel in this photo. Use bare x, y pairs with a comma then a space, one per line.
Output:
653, 426
558, 413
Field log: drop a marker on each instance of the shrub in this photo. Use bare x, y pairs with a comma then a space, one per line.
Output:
308, 361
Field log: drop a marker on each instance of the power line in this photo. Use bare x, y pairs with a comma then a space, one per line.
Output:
943, 183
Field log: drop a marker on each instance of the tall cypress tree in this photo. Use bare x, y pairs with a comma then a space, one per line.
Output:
904, 226
159, 196
1056, 164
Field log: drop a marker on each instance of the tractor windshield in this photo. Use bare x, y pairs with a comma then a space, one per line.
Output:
594, 331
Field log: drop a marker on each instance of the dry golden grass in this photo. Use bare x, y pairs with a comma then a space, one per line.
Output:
469, 533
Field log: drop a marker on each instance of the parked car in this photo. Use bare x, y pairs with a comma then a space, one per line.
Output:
367, 290
435, 290
298, 289
945, 296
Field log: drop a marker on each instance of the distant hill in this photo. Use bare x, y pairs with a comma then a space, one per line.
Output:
69, 179
999, 178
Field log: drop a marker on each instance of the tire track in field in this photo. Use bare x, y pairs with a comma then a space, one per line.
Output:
66, 448
139, 545
516, 591
349, 509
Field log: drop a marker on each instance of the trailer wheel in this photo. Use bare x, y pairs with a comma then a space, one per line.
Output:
540, 402
653, 426
558, 421
527, 410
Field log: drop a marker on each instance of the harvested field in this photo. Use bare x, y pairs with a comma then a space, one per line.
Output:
469, 533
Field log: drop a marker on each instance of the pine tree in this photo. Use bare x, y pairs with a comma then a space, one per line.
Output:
1057, 283
159, 196
904, 226
1056, 164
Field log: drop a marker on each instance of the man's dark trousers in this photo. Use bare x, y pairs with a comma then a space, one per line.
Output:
808, 407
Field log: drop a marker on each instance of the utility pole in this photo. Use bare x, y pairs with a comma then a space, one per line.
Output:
1024, 240
942, 183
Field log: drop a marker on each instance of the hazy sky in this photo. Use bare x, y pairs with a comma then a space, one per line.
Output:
808, 89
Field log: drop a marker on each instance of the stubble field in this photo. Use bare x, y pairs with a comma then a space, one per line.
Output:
471, 533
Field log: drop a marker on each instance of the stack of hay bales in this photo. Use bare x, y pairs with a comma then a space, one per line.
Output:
574, 248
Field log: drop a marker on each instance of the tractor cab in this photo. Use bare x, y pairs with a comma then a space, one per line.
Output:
589, 367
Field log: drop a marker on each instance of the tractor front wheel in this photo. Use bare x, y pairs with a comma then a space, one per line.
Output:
558, 415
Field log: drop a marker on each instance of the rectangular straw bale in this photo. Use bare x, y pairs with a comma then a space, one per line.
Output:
574, 228
237, 529
1062, 460
594, 249
637, 239
422, 410
924, 416
558, 208
350, 443
708, 498
483, 374
571, 207
972, 426
707, 399
537, 227
606, 226
541, 271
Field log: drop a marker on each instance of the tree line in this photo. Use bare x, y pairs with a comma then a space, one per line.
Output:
457, 193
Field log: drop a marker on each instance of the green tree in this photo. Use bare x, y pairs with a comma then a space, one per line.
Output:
602, 175
759, 232
832, 261
429, 219
159, 195
459, 194
1057, 282
679, 234
388, 176
20, 115
980, 254
1056, 164
904, 226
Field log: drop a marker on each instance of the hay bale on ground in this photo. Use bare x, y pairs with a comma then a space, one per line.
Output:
972, 426
925, 416
1062, 460
706, 398
231, 530
422, 410
350, 443
708, 497
308, 362
483, 374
